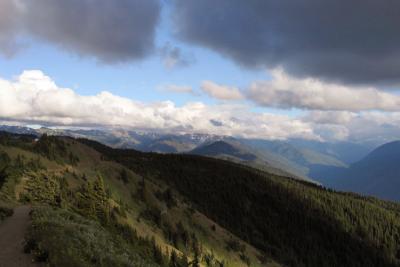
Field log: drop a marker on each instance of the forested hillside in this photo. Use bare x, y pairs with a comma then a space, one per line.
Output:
88, 211
98, 206
297, 223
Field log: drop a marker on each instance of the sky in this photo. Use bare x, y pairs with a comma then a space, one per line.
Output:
268, 69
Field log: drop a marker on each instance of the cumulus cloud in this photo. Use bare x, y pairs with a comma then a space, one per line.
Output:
111, 31
221, 92
173, 57
376, 127
333, 132
367, 126
330, 117
285, 91
343, 40
35, 98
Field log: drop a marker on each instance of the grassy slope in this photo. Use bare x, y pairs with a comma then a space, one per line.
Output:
297, 223
70, 240
212, 241
122, 196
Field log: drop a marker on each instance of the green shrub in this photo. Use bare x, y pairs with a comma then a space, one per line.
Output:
42, 188
65, 239
234, 245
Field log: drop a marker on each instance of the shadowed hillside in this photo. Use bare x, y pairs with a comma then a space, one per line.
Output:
88, 211
299, 224
94, 205
378, 174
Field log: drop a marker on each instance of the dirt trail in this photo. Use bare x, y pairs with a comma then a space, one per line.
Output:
12, 231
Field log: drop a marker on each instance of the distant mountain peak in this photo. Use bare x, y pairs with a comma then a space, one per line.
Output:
377, 174
224, 148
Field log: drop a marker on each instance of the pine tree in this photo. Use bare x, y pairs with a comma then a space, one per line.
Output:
157, 253
100, 199
173, 260
183, 261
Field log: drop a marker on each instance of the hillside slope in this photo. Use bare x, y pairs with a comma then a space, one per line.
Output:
347, 152
94, 205
309, 160
378, 174
236, 151
298, 224
88, 210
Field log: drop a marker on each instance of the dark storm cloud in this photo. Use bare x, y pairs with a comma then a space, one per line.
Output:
8, 26
354, 41
111, 31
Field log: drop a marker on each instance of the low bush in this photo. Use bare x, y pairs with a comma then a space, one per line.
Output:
65, 239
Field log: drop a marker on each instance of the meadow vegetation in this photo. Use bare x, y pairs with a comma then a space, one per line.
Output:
98, 206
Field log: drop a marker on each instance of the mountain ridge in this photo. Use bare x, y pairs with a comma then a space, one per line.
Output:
236, 151
377, 174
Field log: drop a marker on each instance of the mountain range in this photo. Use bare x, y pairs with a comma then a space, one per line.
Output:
236, 151
297, 157
342, 166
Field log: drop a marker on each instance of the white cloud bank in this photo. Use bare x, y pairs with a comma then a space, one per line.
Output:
34, 98
285, 91
367, 126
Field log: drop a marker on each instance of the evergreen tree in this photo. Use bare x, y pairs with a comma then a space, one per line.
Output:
157, 253
183, 260
173, 260
100, 199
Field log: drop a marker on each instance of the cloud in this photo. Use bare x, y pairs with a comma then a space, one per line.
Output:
368, 126
332, 132
330, 117
173, 57
349, 41
285, 91
110, 31
34, 98
376, 127
8, 26
331, 125
221, 92
181, 89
